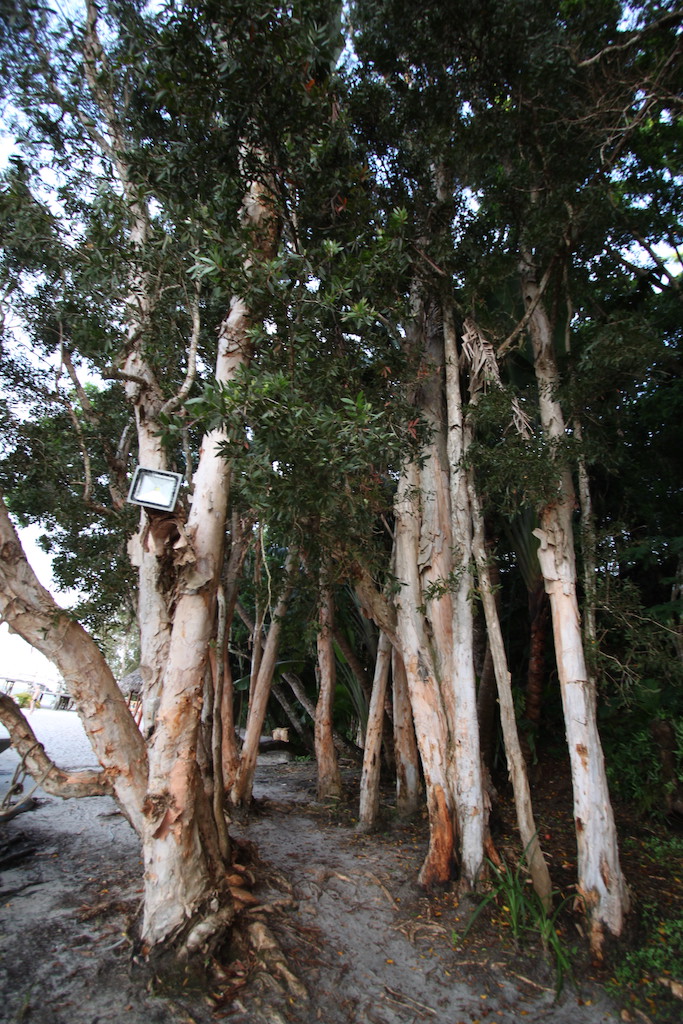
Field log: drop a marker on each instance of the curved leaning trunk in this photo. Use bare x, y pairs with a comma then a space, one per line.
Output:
513, 751
32, 612
45, 772
601, 883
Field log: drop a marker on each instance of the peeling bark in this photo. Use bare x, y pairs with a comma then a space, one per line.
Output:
429, 715
52, 779
33, 613
515, 760
408, 784
471, 805
179, 867
601, 883
370, 777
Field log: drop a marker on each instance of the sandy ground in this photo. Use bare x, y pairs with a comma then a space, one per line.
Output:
366, 943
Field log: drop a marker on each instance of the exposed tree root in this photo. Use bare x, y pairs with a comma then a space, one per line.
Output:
273, 961
228, 950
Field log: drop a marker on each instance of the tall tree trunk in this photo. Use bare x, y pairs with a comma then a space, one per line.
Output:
180, 875
467, 763
408, 785
370, 777
340, 742
434, 618
601, 883
241, 791
513, 751
329, 778
429, 715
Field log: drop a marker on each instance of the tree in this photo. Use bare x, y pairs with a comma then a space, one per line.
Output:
519, 109
106, 108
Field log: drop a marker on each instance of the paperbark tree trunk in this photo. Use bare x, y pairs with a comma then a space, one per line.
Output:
329, 777
159, 789
408, 784
429, 715
181, 875
31, 611
52, 779
140, 383
515, 760
470, 800
434, 617
370, 776
601, 884
240, 794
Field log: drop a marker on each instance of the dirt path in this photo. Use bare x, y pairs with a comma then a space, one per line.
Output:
367, 944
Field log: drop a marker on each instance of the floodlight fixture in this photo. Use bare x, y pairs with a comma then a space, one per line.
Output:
155, 488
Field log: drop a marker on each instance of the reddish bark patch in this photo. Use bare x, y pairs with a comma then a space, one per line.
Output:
438, 867
582, 751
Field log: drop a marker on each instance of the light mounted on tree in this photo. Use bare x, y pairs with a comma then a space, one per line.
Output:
155, 488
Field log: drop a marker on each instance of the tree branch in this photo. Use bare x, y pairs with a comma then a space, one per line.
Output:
111, 373
521, 326
672, 18
117, 478
191, 373
33, 613
373, 602
53, 780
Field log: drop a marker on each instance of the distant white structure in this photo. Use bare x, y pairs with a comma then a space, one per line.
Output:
44, 695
